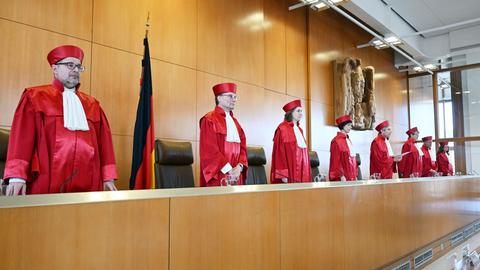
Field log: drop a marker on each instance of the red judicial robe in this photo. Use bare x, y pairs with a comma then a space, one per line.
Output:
288, 159
443, 164
52, 158
427, 162
342, 163
216, 152
412, 162
380, 161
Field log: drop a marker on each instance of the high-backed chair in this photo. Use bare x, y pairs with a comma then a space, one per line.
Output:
314, 164
359, 162
4, 134
173, 164
256, 162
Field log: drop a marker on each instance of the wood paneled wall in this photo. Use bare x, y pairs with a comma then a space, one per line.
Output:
195, 44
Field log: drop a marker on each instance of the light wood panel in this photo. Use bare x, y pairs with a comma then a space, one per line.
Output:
230, 232
296, 51
364, 227
173, 93
399, 220
173, 27
231, 39
174, 101
312, 229
70, 17
116, 84
123, 147
115, 235
23, 50
275, 45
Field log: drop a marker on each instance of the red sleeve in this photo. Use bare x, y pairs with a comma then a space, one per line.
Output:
211, 159
105, 146
21, 144
336, 166
243, 153
279, 157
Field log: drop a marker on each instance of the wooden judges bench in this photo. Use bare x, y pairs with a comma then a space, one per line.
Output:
358, 225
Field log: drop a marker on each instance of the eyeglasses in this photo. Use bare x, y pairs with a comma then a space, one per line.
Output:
72, 66
230, 96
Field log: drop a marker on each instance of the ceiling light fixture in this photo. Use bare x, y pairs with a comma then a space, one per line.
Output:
316, 5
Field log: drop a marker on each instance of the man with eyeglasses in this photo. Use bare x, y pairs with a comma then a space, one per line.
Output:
223, 148
60, 139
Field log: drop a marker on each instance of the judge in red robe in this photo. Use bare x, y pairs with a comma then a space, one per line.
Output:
429, 165
411, 164
443, 163
343, 162
223, 147
290, 159
60, 139
382, 158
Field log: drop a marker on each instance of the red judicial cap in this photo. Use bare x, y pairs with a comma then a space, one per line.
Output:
292, 105
342, 119
222, 88
64, 51
412, 130
426, 139
443, 143
382, 125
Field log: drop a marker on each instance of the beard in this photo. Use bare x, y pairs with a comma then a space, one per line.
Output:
71, 81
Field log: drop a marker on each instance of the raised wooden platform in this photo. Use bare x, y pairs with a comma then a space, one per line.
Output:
360, 225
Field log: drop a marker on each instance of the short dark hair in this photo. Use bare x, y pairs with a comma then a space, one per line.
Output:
289, 116
342, 125
216, 101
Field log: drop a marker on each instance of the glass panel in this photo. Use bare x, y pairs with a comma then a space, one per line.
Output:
421, 105
459, 103
471, 101
472, 157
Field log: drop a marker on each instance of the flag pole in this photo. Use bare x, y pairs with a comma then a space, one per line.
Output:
147, 24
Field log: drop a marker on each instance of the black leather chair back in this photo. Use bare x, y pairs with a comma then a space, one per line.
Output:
314, 164
173, 164
4, 134
359, 162
256, 170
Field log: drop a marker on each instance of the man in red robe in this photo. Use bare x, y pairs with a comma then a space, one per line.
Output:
290, 159
382, 158
223, 147
60, 139
443, 163
411, 164
429, 166
343, 163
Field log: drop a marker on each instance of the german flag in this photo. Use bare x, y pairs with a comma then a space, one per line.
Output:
143, 157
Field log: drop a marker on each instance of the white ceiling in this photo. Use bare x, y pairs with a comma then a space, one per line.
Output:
428, 14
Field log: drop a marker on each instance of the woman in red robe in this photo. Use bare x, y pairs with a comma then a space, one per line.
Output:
290, 159
343, 163
443, 163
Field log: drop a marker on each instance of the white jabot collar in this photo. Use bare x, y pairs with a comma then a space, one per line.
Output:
73, 113
232, 132
389, 148
299, 137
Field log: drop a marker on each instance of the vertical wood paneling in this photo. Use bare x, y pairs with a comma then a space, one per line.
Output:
69, 17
